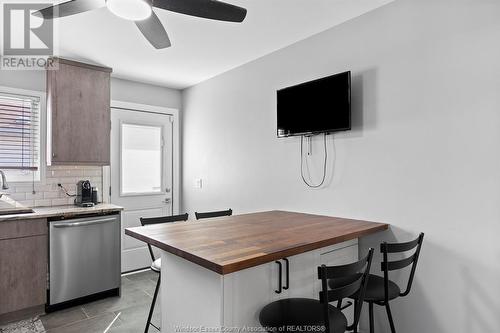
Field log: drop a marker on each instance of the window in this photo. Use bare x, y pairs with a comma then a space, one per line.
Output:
141, 159
20, 119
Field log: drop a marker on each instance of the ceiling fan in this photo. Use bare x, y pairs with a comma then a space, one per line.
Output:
141, 12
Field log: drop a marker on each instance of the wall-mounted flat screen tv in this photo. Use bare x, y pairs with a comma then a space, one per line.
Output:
319, 106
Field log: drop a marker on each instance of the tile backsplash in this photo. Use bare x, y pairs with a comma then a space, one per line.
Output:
47, 193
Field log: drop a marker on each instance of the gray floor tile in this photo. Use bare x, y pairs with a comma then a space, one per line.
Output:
91, 325
130, 297
149, 288
125, 281
146, 284
135, 317
132, 319
63, 317
157, 316
133, 306
134, 327
149, 274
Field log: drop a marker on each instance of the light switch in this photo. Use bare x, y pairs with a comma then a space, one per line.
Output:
198, 183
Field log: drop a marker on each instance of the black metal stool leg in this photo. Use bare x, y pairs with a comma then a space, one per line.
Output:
355, 312
151, 310
389, 315
370, 308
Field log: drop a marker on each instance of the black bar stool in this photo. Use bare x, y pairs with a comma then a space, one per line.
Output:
156, 264
208, 215
309, 315
381, 290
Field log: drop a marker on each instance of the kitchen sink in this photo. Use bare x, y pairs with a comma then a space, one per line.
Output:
8, 206
13, 211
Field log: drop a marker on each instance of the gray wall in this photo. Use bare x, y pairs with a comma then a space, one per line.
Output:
423, 154
121, 90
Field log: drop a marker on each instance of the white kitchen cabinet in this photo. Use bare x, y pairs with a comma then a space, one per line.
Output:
336, 257
302, 275
247, 291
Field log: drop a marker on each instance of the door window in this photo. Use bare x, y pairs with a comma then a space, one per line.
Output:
141, 159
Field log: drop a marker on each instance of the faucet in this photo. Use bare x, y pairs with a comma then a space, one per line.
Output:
5, 186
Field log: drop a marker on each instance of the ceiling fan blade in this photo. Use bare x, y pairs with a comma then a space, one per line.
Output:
210, 9
154, 31
69, 8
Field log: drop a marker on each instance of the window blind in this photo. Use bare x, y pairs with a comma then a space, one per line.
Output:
19, 132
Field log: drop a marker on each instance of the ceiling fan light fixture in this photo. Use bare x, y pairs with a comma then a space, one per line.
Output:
134, 10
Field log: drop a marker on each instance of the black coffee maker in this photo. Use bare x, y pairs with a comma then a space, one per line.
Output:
84, 194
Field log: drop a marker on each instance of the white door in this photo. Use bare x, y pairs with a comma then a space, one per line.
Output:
141, 174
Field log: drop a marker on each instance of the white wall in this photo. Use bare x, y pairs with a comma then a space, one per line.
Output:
423, 154
141, 93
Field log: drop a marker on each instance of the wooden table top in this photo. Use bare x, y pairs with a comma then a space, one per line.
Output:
229, 244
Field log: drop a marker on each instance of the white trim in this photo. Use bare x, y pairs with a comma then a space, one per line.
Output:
144, 108
43, 130
174, 113
146, 269
140, 194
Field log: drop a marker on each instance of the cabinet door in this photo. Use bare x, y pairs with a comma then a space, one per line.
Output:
246, 292
340, 256
303, 270
79, 119
23, 273
303, 276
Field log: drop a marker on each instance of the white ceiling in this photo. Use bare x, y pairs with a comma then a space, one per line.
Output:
200, 48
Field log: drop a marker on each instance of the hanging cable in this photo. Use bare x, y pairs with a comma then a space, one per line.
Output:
302, 162
65, 191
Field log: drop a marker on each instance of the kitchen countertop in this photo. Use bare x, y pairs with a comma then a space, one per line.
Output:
67, 211
229, 244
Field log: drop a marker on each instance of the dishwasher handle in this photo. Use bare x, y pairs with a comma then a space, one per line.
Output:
85, 223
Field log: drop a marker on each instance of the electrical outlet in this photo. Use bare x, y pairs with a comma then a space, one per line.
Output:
198, 183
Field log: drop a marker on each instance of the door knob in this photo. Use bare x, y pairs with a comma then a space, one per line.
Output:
167, 200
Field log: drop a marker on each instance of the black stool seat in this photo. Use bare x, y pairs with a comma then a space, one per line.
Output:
301, 315
375, 289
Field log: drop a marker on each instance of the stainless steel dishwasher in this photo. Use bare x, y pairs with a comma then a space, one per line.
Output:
84, 260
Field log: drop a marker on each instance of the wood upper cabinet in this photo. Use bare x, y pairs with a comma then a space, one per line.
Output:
78, 114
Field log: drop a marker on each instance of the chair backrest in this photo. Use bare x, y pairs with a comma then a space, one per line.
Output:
354, 279
219, 213
161, 219
387, 266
